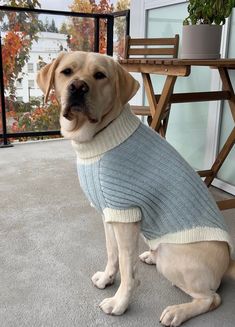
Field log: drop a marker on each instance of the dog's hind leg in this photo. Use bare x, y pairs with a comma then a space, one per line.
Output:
197, 269
175, 315
148, 257
101, 279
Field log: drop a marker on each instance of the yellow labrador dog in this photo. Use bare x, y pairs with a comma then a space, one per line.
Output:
179, 220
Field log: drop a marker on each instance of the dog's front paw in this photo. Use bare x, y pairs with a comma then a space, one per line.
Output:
101, 279
114, 306
173, 316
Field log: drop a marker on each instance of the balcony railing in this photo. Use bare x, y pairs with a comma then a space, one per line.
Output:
101, 37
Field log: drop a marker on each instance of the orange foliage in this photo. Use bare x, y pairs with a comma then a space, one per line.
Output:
38, 118
17, 41
82, 29
13, 41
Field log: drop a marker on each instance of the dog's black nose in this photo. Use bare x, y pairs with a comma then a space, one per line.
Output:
78, 87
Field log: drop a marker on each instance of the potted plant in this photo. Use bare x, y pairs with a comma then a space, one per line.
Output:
202, 28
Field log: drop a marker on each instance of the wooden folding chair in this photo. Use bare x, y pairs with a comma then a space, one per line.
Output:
151, 48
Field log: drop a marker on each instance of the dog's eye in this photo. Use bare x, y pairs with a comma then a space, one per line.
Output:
99, 75
67, 71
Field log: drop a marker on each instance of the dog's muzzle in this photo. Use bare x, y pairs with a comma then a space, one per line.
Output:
76, 97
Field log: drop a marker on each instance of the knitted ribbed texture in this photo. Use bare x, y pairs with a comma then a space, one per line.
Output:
142, 177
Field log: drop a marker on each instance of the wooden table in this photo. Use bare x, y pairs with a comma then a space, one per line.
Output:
173, 68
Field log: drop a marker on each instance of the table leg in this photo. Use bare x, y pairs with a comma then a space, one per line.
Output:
221, 157
163, 101
227, 86
149, 93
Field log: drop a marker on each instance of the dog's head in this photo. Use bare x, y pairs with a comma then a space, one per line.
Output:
91, 88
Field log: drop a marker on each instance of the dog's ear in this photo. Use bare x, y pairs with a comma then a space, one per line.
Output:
45, 77
126, 85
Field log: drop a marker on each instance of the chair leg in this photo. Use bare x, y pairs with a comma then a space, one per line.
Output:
164, 123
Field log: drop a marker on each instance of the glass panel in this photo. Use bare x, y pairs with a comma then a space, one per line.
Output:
227, 171
119, 37
80, 33
36, 39
188, 122
29, 41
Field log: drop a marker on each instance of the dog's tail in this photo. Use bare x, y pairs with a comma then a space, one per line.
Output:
231, 270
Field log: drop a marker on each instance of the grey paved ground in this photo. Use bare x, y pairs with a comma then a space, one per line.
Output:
52, 241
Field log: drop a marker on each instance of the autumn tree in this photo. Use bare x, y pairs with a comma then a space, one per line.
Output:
103, 7
81, 30
21, 30
122, 5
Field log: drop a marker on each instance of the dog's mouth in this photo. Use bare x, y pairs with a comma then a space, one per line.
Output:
76, 103
72, 110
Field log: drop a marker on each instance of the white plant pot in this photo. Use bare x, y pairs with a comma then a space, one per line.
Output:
201, 41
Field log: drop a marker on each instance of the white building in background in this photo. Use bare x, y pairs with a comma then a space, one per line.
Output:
45, 49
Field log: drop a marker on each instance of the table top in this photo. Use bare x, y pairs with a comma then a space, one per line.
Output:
228, 63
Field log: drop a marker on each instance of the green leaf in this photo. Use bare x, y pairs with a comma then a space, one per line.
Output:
209, 11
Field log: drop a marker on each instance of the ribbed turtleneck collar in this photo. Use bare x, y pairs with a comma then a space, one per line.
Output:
110, 137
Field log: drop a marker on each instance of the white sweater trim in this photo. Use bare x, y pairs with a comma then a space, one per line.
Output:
193, 235
197, 234
131, 215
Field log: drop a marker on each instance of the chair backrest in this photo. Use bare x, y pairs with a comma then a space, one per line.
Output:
151, 47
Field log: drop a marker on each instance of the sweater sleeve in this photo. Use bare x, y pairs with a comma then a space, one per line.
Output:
130, 215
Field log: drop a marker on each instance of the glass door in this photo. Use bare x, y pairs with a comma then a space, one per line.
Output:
226, 176
187, 129
193, 127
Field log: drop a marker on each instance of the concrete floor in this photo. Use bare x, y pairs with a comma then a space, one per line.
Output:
52, 241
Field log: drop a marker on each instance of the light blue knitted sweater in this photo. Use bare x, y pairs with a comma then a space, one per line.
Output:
129, 173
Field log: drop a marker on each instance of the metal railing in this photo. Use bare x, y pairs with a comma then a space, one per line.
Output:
110, 18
